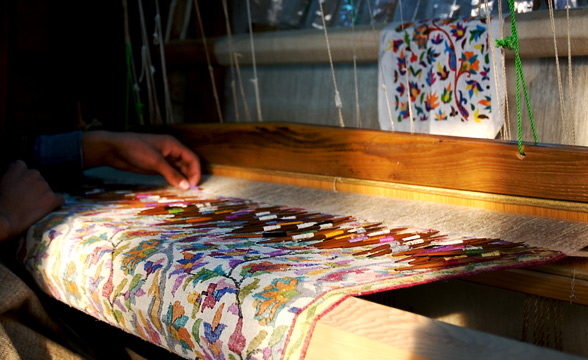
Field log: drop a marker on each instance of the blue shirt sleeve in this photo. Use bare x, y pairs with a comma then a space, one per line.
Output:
59, 158
62, 151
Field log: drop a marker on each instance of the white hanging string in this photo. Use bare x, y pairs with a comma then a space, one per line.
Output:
507, 133
559, 82
241, 88
186, 23
418, 5
255, 79
231, 60
357, 108
338, 103
409, 100
170, 19
570, 78
497, 83
384, 87
148, 71
158, 40
210, 68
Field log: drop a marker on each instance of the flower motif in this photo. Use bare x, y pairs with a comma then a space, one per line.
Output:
431, 101
176, 321
421, 36
274, 298
447, 95
134, 256
404, 113
414, 90
458, 31
470, 62
473, 87
440, 116
486, 102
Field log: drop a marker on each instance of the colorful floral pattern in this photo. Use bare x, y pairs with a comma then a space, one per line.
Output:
440, 72
166, 266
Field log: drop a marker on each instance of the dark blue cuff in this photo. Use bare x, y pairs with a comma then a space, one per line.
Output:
63, 151
59, 159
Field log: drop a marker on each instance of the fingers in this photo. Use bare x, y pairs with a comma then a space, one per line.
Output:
143, 153
180, 157
173, 176
188, 164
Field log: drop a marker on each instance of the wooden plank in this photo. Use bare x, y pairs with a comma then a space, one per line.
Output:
548, 172
358, 329
551, 286
308, 46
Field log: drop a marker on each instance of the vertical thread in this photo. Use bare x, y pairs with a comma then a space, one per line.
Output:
408, 99
255, 80
166, 94
231, 60
570, 77
338, 102
241, 88
148, 70
497, 84
503, 68
384, 87
526, 310
210, 68
559, 82
558, 325
357, 107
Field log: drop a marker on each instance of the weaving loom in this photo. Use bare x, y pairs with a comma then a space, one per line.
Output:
187, 308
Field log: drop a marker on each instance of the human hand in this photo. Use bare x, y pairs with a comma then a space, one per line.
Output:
143, 153
25, 197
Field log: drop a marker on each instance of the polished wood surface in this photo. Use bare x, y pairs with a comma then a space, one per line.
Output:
562, 288
546, 172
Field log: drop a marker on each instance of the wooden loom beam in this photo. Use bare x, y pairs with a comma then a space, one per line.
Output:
358, 329
547, 172
308, 46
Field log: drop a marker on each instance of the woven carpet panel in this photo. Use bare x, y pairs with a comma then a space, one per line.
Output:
209, 273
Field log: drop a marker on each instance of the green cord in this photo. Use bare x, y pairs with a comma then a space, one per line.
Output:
512, 43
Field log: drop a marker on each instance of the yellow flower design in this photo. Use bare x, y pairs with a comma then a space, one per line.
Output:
273, 298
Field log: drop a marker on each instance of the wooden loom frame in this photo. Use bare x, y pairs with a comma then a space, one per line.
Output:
479, 173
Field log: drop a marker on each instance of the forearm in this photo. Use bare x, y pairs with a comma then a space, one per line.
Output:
97, 148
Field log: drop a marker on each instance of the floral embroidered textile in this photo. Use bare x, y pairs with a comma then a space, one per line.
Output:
222, 278
440, 73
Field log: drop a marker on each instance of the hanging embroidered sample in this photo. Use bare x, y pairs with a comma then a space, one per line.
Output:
439, 78
222, 278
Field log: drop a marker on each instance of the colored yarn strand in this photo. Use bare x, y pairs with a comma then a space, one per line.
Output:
512, 43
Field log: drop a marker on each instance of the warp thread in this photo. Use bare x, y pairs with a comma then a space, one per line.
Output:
546, 322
